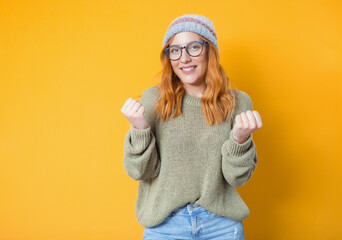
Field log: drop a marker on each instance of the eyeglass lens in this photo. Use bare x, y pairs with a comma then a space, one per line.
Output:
194, 49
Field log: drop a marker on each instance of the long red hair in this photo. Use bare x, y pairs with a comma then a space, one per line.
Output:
217, 101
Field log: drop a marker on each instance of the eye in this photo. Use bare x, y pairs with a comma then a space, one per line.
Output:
174, 50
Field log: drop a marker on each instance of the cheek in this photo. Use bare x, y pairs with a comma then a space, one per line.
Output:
203, 60
174, 66
204, 65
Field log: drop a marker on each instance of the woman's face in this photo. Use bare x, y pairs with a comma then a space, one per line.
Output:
195, 76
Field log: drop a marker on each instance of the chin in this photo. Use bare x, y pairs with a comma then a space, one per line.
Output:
190, 81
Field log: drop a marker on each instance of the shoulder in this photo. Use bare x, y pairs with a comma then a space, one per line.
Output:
150, 95
240, 94
151, 91
242, 99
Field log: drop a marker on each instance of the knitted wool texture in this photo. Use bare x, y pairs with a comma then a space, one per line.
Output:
192, 23
185, 161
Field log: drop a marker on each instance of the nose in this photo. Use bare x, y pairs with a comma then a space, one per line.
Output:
185, 56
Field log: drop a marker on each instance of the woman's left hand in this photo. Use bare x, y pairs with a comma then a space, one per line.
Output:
245, 124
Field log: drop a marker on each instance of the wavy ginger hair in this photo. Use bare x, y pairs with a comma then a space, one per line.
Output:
217, 101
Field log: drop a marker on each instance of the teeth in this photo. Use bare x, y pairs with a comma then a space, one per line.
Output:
188, 69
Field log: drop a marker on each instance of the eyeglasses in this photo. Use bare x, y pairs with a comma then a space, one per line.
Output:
194, 49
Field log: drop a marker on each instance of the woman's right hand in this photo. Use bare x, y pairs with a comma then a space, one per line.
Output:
133, 110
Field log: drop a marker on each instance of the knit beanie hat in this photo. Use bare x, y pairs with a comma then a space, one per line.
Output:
192, 23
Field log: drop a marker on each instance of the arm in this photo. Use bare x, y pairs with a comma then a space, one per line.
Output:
141, 159
239, 160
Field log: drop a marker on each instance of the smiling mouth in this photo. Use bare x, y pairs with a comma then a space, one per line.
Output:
188, 69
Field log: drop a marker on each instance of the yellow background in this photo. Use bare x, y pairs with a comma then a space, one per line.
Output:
67, 67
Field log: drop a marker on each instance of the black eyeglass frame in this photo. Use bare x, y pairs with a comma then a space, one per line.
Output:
166, 50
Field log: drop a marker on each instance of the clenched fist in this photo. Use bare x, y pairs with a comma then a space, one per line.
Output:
245, 124
134, 112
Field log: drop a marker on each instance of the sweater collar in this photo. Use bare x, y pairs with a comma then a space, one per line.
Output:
191, 100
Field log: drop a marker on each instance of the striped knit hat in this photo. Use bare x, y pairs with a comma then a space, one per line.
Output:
192, 23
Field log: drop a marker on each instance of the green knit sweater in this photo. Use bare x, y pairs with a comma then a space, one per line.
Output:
185, 161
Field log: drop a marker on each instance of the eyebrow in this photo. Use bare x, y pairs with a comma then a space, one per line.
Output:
185, 43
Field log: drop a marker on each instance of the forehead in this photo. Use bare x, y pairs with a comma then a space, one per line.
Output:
183, 38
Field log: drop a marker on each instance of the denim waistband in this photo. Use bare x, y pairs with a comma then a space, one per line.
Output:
189, 208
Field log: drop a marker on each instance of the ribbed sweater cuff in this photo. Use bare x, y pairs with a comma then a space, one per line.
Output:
140, 137
236, 149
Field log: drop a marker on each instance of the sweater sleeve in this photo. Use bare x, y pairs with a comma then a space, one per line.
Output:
141, 159
239, 160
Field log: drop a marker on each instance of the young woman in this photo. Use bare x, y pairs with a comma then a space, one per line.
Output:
190, 141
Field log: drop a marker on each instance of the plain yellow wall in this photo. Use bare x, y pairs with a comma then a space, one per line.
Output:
67, 67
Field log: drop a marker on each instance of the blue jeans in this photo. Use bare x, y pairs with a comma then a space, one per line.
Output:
194, 222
